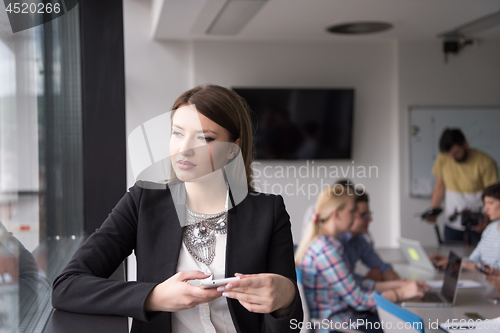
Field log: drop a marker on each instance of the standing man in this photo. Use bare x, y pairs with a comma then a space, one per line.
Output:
462, 173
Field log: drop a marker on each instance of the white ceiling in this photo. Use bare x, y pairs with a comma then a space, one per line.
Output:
306, 20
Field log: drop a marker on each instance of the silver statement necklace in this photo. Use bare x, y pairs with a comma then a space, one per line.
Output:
201, 232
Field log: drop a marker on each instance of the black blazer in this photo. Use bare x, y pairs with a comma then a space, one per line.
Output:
259, 240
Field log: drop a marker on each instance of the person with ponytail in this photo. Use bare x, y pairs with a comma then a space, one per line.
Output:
331, 290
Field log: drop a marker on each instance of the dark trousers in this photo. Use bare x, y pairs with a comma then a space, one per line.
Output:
457, 235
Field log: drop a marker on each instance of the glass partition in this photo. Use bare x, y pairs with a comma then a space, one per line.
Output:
41, 165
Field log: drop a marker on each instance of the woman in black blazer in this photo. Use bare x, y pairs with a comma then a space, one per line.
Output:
147, 221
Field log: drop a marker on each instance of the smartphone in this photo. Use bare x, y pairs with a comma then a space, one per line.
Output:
482, 269
474, 315
217, 283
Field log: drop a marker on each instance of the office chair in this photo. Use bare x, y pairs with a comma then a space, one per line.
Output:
305, 308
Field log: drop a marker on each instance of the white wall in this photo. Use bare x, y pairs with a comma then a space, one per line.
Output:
471, 78
388, 78
370, 68
156, 73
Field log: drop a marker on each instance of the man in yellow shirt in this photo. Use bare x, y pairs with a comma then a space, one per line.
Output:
462, 173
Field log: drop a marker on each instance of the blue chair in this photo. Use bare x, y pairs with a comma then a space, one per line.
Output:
400, 320
305, 307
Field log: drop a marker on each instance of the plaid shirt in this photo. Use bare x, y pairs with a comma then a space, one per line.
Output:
331, 290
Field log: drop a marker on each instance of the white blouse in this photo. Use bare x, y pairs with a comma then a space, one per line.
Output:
211, 317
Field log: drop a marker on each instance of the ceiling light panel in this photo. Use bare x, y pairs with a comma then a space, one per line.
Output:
234, 15
207, 15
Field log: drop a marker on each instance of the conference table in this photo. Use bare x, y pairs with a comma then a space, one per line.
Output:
468, 300
474, 300
67, 322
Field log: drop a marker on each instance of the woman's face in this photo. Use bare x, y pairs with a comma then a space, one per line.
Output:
492, 208
194, 139
346, 217
340, 221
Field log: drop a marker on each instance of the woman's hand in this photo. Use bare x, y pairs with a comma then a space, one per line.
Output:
470, 265
412, 288
176, 294
262, 293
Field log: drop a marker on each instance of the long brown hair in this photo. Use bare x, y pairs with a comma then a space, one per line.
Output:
227, 109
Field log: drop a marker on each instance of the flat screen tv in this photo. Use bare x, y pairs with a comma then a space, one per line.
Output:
301, 123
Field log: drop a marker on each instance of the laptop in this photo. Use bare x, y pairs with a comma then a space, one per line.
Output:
448, 294
416, 255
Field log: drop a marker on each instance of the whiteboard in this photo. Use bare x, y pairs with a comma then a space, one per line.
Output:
480, 125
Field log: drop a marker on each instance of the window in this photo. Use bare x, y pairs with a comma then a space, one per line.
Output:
41, 165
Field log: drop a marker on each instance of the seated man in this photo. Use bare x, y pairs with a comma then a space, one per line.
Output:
357, 248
